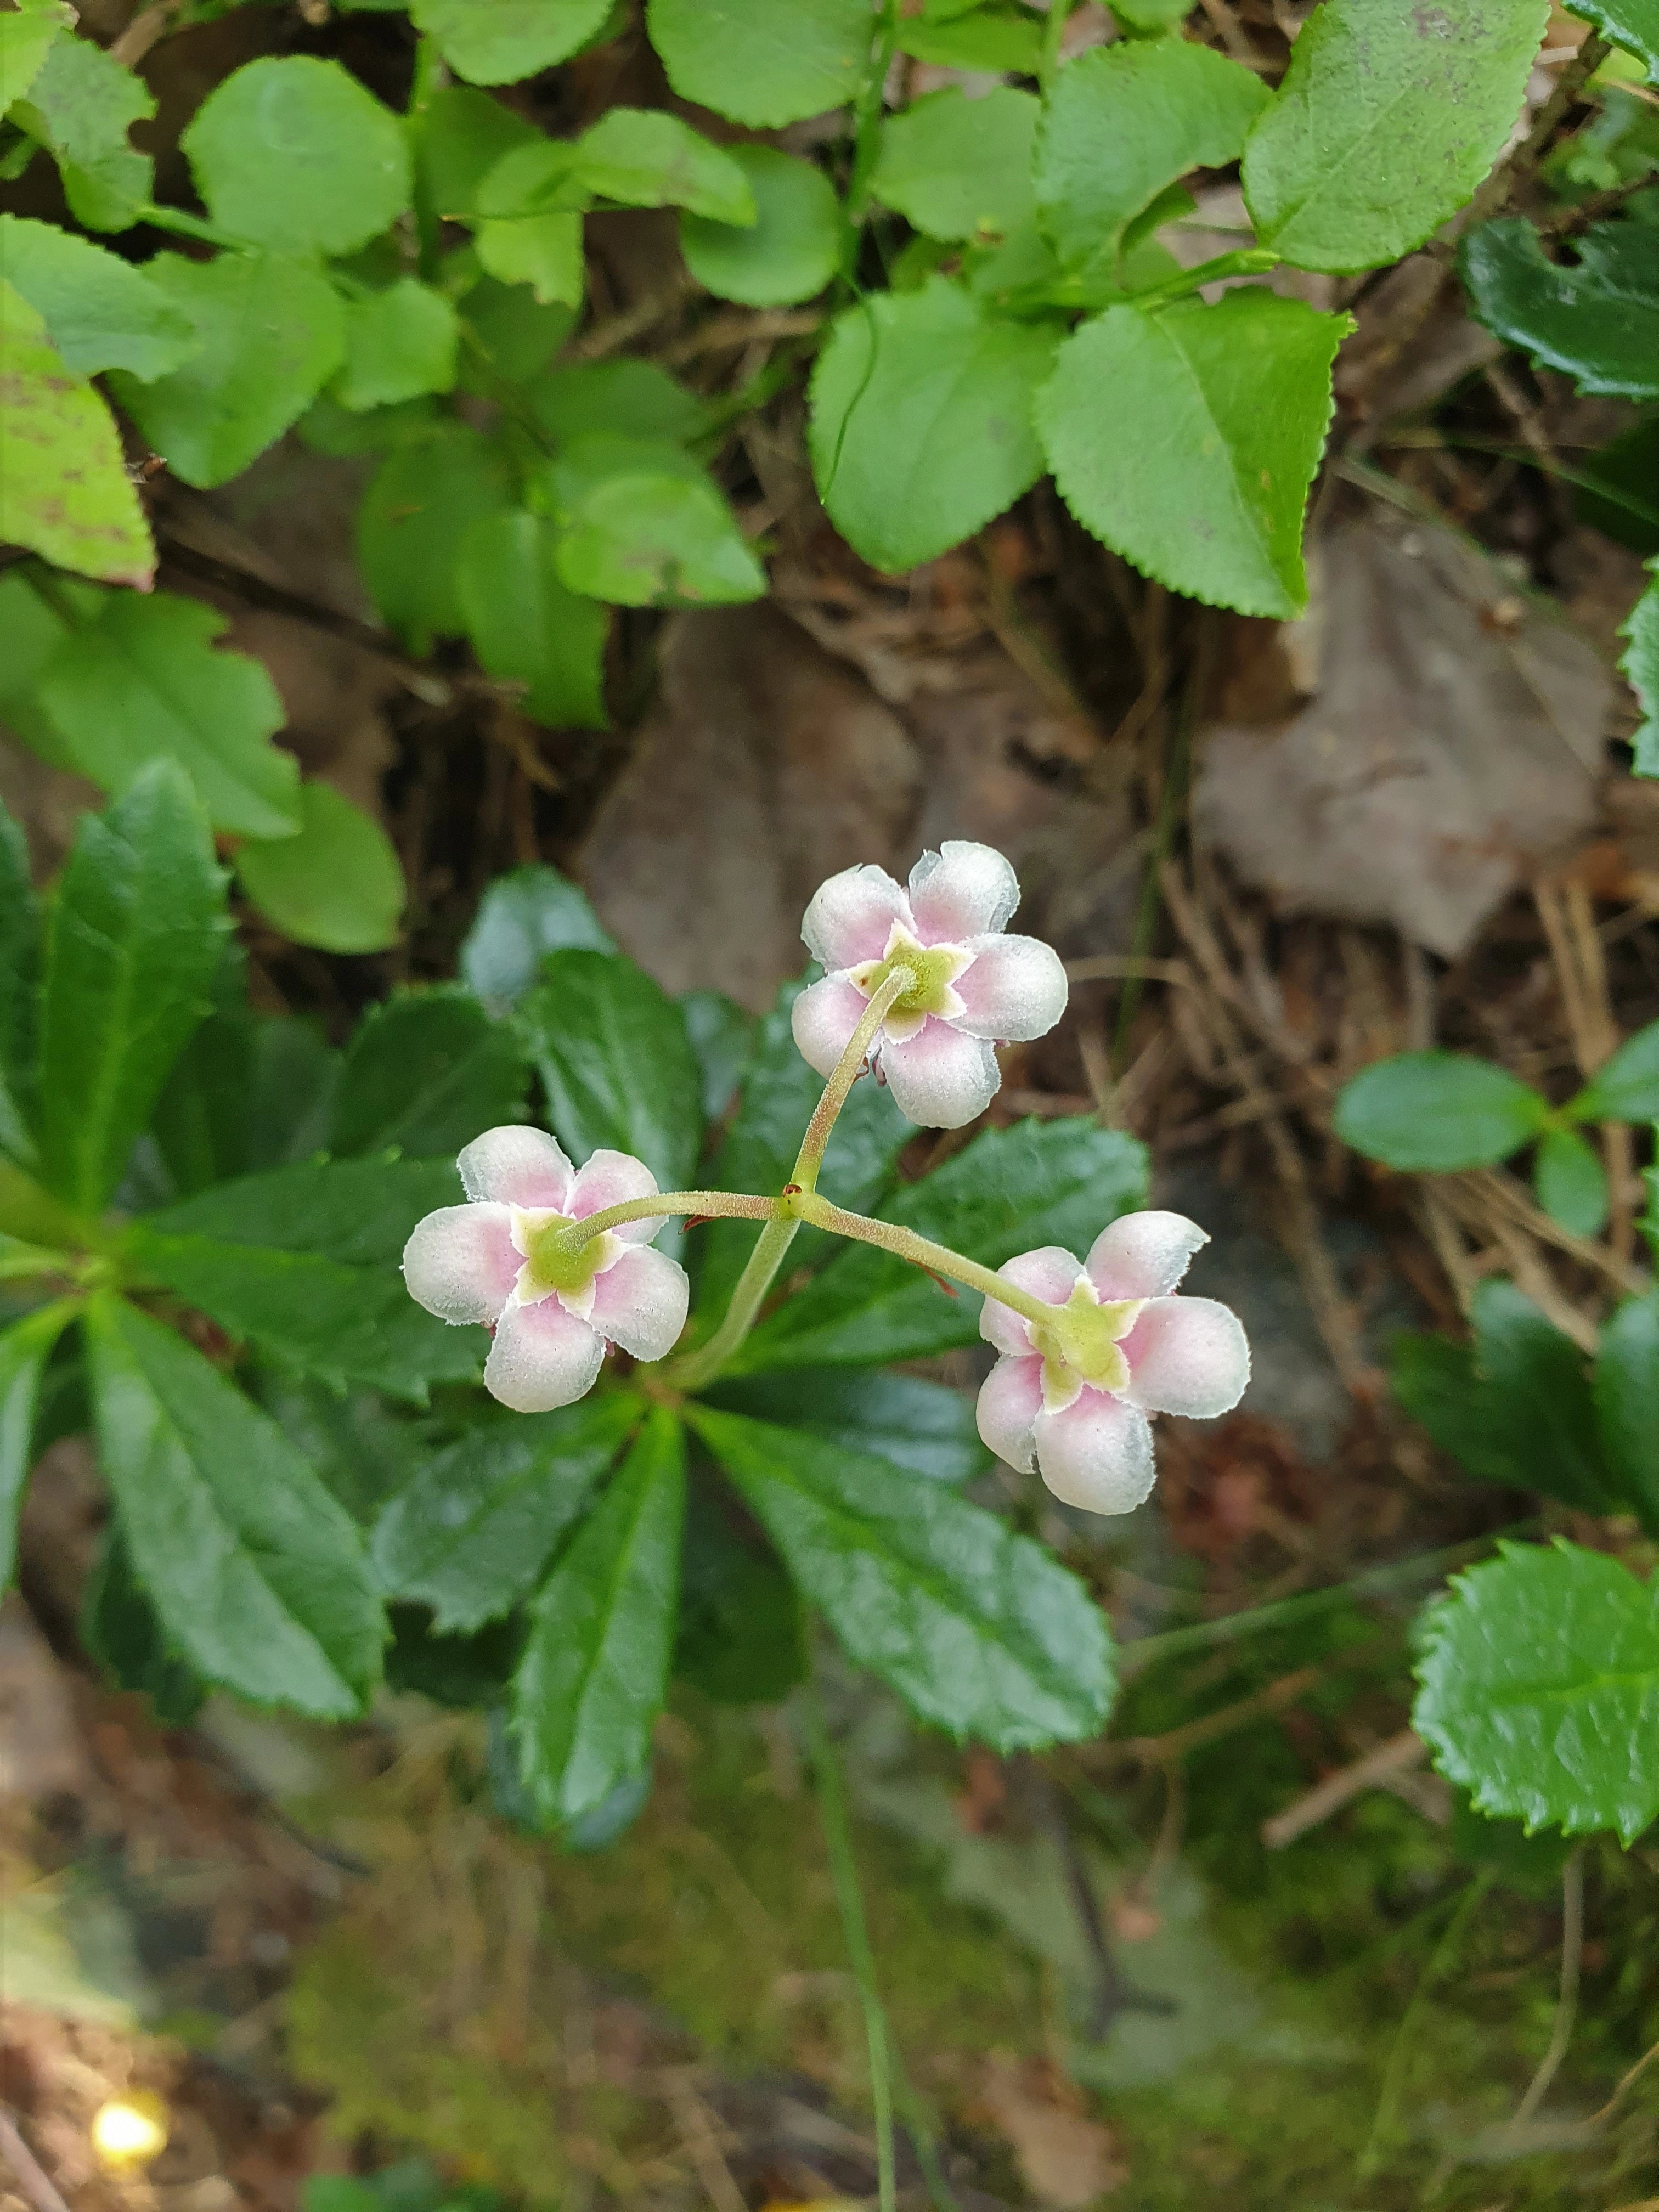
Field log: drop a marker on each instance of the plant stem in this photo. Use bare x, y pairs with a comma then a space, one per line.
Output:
189, 226
1247, 261
921, 1251
867, 129
1053, 30
838, 1842
1400, 2049
702, 1365
842, 1076
726, 1205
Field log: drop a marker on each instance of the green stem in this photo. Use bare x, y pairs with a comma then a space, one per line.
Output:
866, 130
1393, 2074
1053, 30
189, 226
843, 1077
838, 1843
1248, 261
726, 1205
921, 1251
702, 1365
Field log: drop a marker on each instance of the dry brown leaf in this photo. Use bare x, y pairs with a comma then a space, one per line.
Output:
1065, 2159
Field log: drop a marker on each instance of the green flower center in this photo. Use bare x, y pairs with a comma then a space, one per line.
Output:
1082, 1337
935, 967
547, 1267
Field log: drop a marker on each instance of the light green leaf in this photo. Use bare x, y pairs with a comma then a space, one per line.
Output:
1435, 1112
1011, 1190
643, 525
424, 1072
1641, 666
459, 139
1626, 1087
1631, 24
981, 1632
721, 1032
269, 334
1389, 115
1627, 1403
25, 39
1595, 316
924, 1428
1123, 124
260, 1579
499, 41
789, 253
471, 1534
1161, 444
644, 157
25, 1347
414, 514
527, 627
133, 941
1571, 1188
302, 1262
399, 343
1149, 18
623, 398
955, 167
921, 427
523, 915
65, 491
99, 312
763, 62
1539, 1690
595, 1667
142, 681
338, 884
544, 250
1004, 36
80, 106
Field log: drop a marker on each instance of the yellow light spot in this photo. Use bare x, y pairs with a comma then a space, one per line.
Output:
130, 2130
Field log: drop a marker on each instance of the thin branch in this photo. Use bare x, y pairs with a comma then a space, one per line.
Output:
30, 2175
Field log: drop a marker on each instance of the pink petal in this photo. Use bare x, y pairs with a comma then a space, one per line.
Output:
612, 1179
1010, 1400
1187, 1356
940, 1078
542, 1357
1015, 989
851, 916
823, 1019
1048, 1273
961, 891
516, 1166
1097, 1454
459, 1262
640, 1302
1143, 1255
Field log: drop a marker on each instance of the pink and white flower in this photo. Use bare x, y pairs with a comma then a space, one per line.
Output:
495, 1261
1072, 1395
972, 983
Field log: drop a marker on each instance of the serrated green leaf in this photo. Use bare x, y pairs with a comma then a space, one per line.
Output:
739, 1638
1596, 318
1011, 1190
362, 1448
1004, 36
924, 1428
201, 1122
644, 157
721, 1032
642, 525
533, 911
259, 1578
25, 39
99, 312
1439, 1385
980, 1630
25, 1347
80, 106
1571, 1187
509, 336
1389, 115
1539, 1690
921, 428
1641, 667
291, 1095
1187, 473
459, 138
1632, 24
302, 1262
1626, 1087
1435, 1112
955, 167
499, 41
123, 1634
1123, 124
425, 1072
623, 398
65, 491
422, 499
527, 627
143, 681
543, 250
595, 1667
472, 1534
763, 62
789, 253
131, 946
33, 631
1627, 1403
338, 884
399, 344
20, 970
269, 333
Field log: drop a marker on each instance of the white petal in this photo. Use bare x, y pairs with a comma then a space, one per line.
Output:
1097, 1454
1187, 1356
850, 917
1048, 1273
542, 1357
940, 1078
1143, 1255
612, 1179
517, 1166
1010, 1400
823, 1019
961, 891
1015, 989
459, 1262
641, 1302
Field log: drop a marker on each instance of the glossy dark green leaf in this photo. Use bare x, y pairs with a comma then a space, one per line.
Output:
82, 104
522, 917
595, 1667
739, 1638
790, 251
19, 970
99, 312
720, 1033
425, 1072
422, 500
1011, 1190
464, 1673
290, 1095
25, 1347
472, 1533
763, 62
923, 1427
1626, 1087
1571, 1186
260, 1579
302, 1262
1435, 1112
1596, 316
1632, 24
123, 1634
200, 1125
338, 884
362, 1448
980, 1630
527, 627
1628, 1404
134, 939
